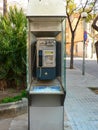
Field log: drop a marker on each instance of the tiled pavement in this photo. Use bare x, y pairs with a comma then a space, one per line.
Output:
81, 104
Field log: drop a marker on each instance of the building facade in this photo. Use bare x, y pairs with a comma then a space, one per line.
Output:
78, 41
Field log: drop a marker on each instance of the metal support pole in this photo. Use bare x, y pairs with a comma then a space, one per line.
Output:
83, 65
63, 55
84, 15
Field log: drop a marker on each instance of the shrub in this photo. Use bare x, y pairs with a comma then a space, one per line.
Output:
13, 46
15, 98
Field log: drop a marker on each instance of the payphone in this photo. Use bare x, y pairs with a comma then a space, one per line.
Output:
46, 58
46, 79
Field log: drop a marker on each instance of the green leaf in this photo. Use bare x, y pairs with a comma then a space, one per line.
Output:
13, 45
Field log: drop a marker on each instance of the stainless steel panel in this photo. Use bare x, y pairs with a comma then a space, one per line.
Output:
45, 26
45, 29
45, 33
46, 8
46, 18
45, 100
46, 118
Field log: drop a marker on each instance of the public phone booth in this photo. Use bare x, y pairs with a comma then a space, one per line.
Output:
46, 65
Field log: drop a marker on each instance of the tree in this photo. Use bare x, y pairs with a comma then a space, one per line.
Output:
95, 26
4, 7
71, 9
13, 47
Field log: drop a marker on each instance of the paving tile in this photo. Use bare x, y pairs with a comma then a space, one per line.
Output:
81, 104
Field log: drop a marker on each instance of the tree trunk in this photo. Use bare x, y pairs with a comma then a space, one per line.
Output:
94, 25
72, 50
4, 7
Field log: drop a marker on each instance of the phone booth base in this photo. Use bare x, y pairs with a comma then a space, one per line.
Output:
46, 112
47, 118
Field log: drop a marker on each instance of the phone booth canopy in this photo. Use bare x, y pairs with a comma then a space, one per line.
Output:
46, 65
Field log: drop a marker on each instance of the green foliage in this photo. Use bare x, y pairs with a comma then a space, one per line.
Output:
74, 8
89, 17
71, 6
24, 93
13, 46
9, 99
15, 98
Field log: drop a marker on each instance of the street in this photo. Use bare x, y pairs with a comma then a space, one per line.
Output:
91, 66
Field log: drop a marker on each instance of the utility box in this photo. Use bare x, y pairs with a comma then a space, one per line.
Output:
46, 76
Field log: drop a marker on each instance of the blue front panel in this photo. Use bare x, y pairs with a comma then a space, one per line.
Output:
46, 73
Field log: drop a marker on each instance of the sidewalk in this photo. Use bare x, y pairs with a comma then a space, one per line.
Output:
81, 105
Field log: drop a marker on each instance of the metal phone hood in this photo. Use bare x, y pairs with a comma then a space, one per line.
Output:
46, 8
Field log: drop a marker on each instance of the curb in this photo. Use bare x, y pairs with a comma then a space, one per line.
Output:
8, 110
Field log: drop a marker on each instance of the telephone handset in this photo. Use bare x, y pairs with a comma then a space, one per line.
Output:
40, 58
